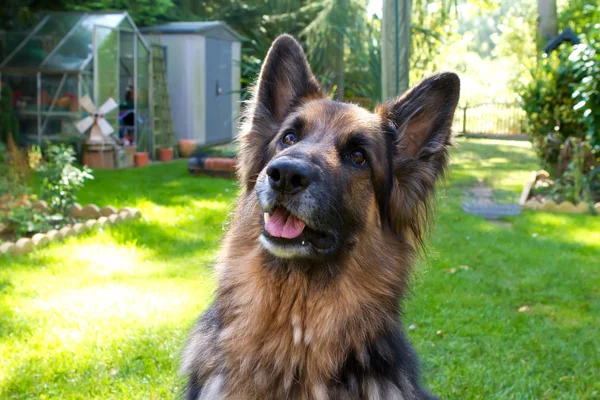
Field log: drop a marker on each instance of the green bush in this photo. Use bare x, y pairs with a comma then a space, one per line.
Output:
585, 62
16, 216
61, 180
24, 220
549, 106
562, 105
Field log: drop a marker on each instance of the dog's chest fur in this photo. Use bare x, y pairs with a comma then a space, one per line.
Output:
284, 334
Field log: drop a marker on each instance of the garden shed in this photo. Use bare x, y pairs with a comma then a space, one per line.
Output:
68, 55
203, 78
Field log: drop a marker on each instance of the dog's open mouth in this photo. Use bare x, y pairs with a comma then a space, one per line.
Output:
283, 228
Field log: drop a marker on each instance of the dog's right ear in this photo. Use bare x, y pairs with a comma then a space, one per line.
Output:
285, 82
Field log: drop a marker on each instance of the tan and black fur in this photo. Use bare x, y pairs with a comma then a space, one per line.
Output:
320, 319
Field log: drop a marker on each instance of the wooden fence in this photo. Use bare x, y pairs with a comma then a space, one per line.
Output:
490, 119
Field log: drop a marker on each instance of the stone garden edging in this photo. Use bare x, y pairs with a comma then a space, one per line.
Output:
95, 217
565, 207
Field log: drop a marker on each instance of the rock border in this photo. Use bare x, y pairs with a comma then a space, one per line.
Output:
96, 218
566, 207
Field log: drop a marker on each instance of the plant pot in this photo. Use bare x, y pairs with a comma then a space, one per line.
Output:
219, 164
165, 154
141, 159
99, 156
187, 147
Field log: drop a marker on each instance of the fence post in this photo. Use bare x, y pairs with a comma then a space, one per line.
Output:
465, 118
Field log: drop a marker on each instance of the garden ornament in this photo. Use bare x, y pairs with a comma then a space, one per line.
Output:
99, 126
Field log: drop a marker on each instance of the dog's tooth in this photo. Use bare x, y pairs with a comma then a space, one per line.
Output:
267, 216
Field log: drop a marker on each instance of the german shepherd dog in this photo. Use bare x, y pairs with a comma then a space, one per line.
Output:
332, 211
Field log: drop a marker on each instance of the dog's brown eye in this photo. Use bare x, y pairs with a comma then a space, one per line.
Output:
358, 157
289, 139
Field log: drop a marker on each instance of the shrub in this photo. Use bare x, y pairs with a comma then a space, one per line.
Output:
15, 187
61, 180
562, 104
585, 62
23, 220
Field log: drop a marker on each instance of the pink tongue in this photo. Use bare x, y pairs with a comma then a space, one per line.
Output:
285, 225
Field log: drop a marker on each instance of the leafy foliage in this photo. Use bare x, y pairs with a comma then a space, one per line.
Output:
562, 103
548, 103
24, 220
61, 180
17, 14
15, 188
585, 62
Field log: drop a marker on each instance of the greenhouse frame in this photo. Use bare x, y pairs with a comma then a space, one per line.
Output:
68, 55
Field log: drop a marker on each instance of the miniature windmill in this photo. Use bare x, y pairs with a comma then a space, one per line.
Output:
100, 127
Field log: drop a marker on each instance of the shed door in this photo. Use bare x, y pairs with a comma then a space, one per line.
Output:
218, 91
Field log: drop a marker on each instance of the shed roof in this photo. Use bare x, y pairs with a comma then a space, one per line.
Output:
212, 29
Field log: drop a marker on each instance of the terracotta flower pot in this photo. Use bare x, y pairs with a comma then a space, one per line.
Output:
165, 154
187, 147
220, 164
141, 159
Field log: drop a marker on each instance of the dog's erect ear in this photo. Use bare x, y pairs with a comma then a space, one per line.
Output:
285, 82
423, 115
423, 119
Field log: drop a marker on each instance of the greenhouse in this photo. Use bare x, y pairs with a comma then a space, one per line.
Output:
46, 71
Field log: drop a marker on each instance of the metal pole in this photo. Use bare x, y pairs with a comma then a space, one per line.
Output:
78, 95
118, 68
150, 61
135, 93
39, 107
95, 56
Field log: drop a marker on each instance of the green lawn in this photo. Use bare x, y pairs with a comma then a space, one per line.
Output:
105, 315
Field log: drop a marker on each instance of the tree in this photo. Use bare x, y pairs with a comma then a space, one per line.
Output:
338, 19
396, 44
547, 22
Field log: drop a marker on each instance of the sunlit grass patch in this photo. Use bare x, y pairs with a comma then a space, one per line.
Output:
105, 315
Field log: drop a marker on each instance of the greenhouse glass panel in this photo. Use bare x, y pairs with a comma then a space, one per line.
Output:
126, 63
40, 45
144, 129
86, 86
9, 42
76, 52
59, 108
106, 70
126, 25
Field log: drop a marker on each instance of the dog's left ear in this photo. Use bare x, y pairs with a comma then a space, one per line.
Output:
285, 82
423, 115
421, 119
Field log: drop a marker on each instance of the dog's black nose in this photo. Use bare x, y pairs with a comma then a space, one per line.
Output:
290, 175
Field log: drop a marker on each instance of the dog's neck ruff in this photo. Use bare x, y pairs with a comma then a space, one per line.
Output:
288, 325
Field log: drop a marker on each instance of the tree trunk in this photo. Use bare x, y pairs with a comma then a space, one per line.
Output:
339, 67
395, 47
547, 22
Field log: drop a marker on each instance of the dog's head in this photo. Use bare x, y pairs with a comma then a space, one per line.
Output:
324, 171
